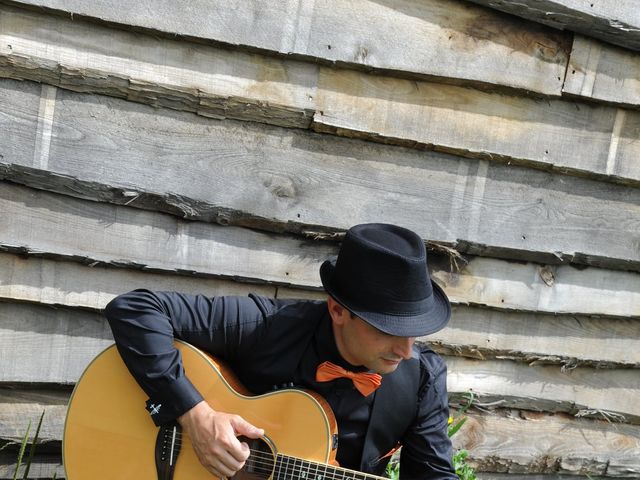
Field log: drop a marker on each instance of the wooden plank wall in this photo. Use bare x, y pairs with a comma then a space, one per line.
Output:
614, 22
227, 153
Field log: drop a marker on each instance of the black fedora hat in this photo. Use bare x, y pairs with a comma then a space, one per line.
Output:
381, 276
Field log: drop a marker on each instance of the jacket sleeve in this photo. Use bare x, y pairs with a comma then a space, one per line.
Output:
426, 448
145, 323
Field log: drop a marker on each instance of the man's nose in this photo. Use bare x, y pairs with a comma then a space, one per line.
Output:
404, 346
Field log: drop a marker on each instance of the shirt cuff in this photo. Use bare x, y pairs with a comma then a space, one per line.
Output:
176, 398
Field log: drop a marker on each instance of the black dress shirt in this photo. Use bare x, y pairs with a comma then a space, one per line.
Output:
269, 344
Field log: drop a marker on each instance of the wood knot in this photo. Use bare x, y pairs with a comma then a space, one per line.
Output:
280, 185
547, 275
361, 54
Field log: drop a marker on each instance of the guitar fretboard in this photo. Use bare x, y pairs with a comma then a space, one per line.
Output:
291, 467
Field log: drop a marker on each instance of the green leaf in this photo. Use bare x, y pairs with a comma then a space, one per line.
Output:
393, 469
464, 471
454, 428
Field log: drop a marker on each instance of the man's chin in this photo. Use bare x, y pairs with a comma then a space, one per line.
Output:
388, 366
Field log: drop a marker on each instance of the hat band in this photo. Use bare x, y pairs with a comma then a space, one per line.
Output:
380, 304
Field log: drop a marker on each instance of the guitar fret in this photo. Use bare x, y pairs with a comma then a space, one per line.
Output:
287, 473
301, 472
295, 468
316, 474
330, 471
287, 470
283, 468
277, 471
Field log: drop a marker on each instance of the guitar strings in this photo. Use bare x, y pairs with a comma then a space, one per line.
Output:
286, 465
260, 458
268, 462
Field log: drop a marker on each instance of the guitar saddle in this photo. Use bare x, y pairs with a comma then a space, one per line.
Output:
167, 449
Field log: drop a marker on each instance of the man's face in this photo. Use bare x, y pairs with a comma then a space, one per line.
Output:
362, 344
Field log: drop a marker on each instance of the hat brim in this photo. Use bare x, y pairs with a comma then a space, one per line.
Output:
433, 317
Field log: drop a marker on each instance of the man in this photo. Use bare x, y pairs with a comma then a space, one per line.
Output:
380, 299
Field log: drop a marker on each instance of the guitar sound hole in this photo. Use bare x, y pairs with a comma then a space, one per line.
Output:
260, 463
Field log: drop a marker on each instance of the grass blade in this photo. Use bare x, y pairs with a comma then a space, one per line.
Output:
23, 446
470, 398
32, 450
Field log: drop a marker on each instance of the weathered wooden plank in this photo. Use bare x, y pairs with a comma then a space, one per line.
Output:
615, 22
70, 284
26, 125
221, 83
480, 281
171, 73
48, 345
568, 340
473, 332
588, 140
43, 467
539, 443
21, 407
494, 382
38, 221
290, 179
583, 392
479, 333
525, 476
602, 72
434, 38
523, 287
540, 288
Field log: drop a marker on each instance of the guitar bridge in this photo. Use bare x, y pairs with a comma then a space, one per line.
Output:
168, 444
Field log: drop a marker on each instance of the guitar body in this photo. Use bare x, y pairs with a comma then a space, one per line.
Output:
108, 432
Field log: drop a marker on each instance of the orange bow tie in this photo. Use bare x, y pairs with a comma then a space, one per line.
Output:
366, 383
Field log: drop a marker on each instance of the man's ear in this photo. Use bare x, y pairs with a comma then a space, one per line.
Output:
336, 311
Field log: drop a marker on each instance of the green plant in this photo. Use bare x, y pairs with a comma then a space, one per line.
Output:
463, 470
23, 449
456, 423
393, 468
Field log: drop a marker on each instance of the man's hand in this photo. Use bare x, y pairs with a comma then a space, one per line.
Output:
213, 436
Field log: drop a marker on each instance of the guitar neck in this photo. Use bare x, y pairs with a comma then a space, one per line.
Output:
292, 467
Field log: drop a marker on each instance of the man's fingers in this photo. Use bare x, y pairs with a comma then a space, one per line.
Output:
235, 450
242, 427
216, 473
214, 438
230, 463
227, 466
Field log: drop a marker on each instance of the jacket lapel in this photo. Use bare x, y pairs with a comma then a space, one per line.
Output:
393, 410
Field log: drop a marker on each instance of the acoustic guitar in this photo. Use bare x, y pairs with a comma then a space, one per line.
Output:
108, 434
